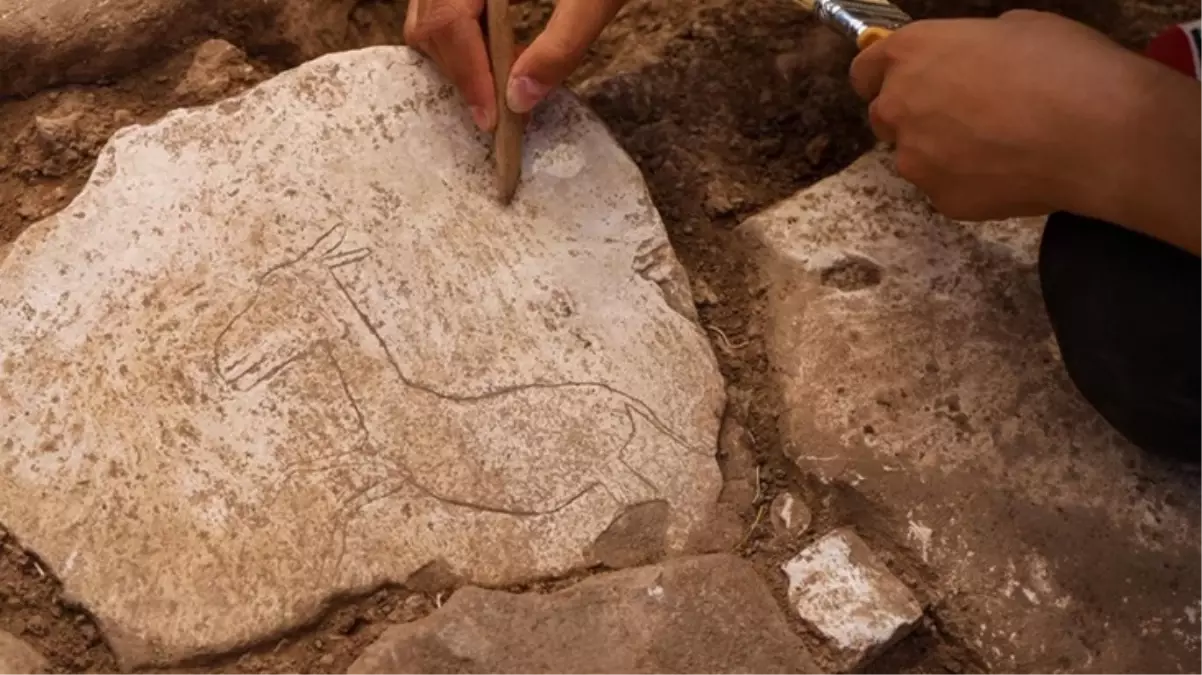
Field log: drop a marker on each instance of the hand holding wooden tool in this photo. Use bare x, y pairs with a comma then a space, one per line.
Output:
507, 139
864, 21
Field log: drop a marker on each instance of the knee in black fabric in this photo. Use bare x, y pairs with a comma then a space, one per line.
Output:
1127, 313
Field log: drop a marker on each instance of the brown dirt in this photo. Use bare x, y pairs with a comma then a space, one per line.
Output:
51, 139
727, 106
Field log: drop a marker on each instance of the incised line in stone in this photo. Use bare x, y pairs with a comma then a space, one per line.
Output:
331, 259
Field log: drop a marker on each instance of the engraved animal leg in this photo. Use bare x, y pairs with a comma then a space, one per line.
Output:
622, 481
688, 478
365, 479
625, 484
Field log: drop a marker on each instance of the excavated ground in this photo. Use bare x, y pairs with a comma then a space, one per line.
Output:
726, 106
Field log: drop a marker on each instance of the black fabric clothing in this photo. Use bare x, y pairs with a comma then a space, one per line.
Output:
1127, 313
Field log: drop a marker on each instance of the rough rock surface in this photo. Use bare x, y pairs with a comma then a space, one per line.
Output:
16, 657
52, 41
49, 42
215, 65
850, 598
288, 346
711, 614
917, 365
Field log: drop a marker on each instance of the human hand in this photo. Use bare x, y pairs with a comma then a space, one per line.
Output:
449, 32
1003, 117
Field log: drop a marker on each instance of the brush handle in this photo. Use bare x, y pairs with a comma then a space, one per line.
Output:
864, 21
871, 36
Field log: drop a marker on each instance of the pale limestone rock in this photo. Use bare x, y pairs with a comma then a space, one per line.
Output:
916, 364
288, 346
17, 657
850, 598
711, 614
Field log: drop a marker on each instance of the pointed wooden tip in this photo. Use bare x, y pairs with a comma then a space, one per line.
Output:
507, 140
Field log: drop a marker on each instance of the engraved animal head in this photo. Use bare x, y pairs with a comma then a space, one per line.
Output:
297, 306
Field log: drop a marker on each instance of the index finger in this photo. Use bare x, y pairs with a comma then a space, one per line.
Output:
458, 49
868, 70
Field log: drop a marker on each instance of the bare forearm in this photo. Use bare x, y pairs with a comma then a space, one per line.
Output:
1150, 180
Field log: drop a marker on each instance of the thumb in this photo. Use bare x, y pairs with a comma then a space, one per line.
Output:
557, 51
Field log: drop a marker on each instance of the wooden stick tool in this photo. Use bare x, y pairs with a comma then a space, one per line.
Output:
507, 138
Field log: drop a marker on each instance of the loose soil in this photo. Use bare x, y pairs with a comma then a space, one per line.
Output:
727, 106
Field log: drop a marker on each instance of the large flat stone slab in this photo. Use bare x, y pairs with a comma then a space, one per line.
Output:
695, 615
916, 366
16, 656
288, 347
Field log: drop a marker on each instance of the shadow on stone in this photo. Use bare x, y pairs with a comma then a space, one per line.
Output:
435, 577
636, 537
852, 273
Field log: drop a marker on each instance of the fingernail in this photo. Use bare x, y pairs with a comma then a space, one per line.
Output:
481, 117
524, 93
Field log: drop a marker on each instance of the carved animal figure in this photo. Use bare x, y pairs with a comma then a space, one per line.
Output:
509, 450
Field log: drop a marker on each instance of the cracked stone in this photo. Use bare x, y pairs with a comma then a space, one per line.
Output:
911, 356
708, 614
849, 597
265, 360
18, 658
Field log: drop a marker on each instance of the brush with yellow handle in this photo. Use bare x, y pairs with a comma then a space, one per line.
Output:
864, 21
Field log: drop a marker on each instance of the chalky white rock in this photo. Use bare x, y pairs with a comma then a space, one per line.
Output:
850, 598
288, 346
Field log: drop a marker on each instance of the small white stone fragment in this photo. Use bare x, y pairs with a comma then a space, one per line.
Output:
790, 515
921, 535
839, 587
